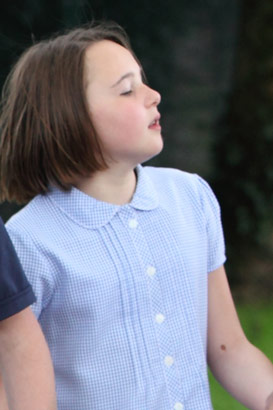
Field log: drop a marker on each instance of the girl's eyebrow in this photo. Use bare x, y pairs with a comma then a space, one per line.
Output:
130, 74
123, 77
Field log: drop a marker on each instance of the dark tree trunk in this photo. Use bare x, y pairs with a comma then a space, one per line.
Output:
244, 152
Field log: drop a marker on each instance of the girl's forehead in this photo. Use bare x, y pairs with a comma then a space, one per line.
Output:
103, 47
108, 57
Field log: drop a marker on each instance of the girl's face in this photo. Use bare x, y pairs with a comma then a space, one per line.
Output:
123, 109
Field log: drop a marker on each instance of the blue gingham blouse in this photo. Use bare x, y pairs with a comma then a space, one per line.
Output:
122, 290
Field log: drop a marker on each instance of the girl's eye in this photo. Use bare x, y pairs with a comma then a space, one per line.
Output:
127, 92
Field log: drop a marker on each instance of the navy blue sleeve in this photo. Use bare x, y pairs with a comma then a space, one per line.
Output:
15, 291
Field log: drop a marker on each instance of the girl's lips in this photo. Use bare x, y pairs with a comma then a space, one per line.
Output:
155, 125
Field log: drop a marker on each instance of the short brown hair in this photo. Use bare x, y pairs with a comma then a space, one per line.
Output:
47, 135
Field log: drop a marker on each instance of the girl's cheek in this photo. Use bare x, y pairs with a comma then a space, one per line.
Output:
133, 113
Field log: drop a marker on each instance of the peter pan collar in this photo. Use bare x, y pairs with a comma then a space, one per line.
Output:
92, 213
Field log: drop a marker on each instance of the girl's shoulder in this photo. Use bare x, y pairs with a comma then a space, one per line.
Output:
190, 187
175, 178
31, 217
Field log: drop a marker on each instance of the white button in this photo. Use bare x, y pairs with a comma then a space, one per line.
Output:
159, 318
168, 361
179, 406
151, 270
133, 223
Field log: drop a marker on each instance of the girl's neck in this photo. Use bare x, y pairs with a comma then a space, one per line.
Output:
115, 187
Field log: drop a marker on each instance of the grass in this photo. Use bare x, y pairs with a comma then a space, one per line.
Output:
257, 321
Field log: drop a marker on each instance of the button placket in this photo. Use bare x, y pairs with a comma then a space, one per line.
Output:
163, 334
159, 317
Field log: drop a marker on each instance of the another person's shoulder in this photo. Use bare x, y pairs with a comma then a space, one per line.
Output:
15, 291
3, 232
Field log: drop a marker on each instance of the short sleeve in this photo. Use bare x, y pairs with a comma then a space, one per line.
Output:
215, 236
36, 267
15, 291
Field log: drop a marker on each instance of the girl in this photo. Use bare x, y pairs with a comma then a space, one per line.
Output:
126, 261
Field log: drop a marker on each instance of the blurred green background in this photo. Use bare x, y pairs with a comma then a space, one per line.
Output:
212, 62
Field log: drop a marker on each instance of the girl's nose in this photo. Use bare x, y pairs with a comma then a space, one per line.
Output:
153, 97
157, 97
